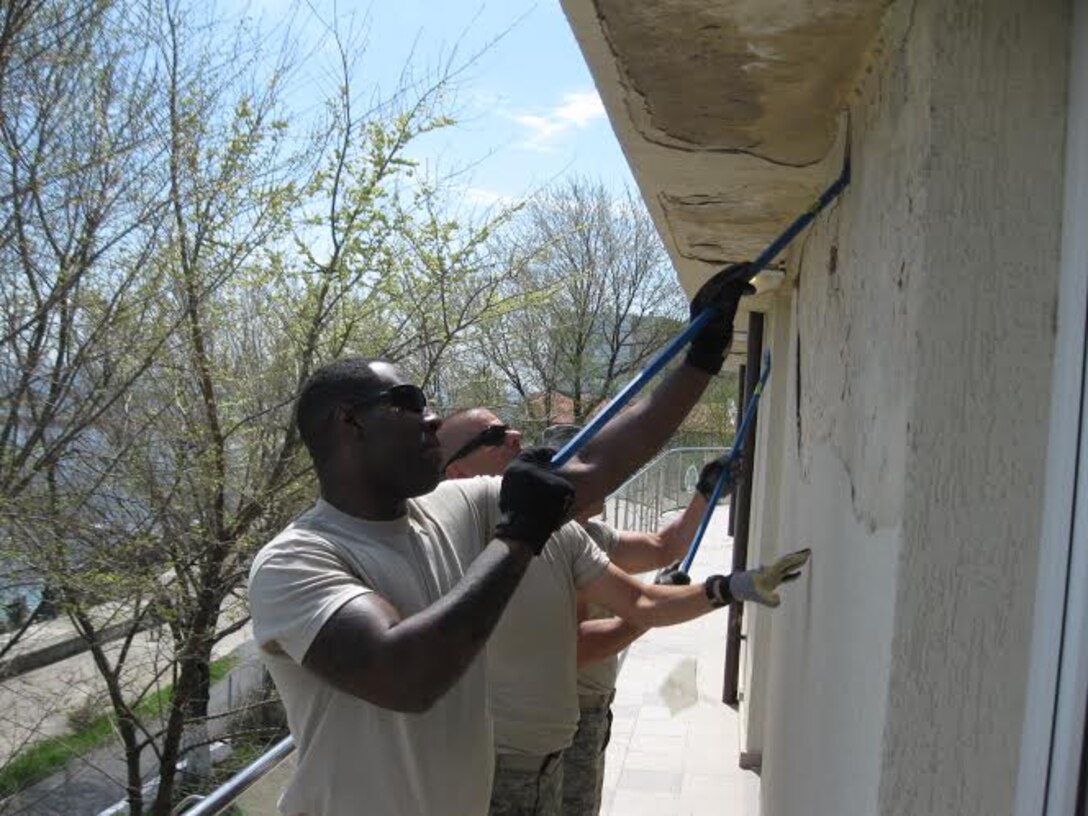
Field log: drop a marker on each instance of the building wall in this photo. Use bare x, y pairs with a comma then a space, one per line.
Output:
765, 528
912, 421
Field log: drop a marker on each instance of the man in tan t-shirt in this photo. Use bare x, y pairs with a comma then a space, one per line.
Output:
533, 653
372, 608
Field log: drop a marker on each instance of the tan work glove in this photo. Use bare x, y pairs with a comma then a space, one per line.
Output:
757, 585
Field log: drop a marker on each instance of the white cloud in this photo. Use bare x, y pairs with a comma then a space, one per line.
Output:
541, 129
577, 110
580, 108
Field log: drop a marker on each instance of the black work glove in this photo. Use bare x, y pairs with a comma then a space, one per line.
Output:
534, 499
712, 470
757, 585
722, 292
672, 575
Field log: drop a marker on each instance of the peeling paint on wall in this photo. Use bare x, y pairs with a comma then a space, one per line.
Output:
766, 78
700, 221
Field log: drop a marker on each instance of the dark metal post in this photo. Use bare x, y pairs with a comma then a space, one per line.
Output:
741, 398
742, 511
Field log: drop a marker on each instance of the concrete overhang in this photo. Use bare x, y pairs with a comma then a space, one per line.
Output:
728, 111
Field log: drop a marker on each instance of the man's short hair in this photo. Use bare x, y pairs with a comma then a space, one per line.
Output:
461, 412
336, 383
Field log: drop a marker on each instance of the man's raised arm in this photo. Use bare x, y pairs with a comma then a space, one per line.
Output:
633, 436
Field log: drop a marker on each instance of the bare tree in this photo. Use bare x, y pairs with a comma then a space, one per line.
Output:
603, 300
81, 210
221, 251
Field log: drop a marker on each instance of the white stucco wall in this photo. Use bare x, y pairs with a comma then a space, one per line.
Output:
921, 336
765, 539
978, 432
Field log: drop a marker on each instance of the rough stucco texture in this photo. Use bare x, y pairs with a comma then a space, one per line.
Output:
755, 75
830, 655
977, 435
923, 329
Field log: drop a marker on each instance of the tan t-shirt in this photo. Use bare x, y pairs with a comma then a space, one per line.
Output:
600, 677
355, 757
532, 657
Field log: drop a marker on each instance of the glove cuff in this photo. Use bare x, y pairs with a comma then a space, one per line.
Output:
717, 591
523, 530
705, 360
705, 487
742, 586
672, 575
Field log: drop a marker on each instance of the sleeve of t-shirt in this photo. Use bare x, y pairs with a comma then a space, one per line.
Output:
476, 500
587, 560
294, 588
603, 536
483, 492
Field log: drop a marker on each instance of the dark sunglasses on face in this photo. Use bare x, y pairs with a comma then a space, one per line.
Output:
404, 397
490, 437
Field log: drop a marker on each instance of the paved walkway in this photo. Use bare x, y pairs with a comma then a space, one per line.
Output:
674, 746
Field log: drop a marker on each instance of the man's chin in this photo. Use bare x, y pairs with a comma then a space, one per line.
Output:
425, 483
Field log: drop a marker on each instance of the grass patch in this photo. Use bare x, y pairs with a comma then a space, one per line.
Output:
243, 754
41, 759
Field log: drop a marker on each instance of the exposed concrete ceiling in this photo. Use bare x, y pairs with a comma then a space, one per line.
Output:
728, 110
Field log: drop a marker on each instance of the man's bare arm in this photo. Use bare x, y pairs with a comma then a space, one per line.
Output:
604, 637
646, 605
632, 437
650, 605
406, 664
642, 552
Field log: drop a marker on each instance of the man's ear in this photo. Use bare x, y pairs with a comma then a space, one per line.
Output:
455, 471
345, 418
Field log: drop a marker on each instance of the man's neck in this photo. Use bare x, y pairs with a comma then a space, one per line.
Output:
355, 500
462, 473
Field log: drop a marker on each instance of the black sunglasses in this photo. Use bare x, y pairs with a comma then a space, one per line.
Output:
404, 397
490, 437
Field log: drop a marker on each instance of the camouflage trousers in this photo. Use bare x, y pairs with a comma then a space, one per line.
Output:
583, 763
527, 786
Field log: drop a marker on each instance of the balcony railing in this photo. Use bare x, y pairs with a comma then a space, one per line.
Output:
665, 484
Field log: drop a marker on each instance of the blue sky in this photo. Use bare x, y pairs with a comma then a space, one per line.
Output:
527, 109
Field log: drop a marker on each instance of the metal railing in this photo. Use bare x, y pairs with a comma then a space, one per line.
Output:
662, 485
227, 794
